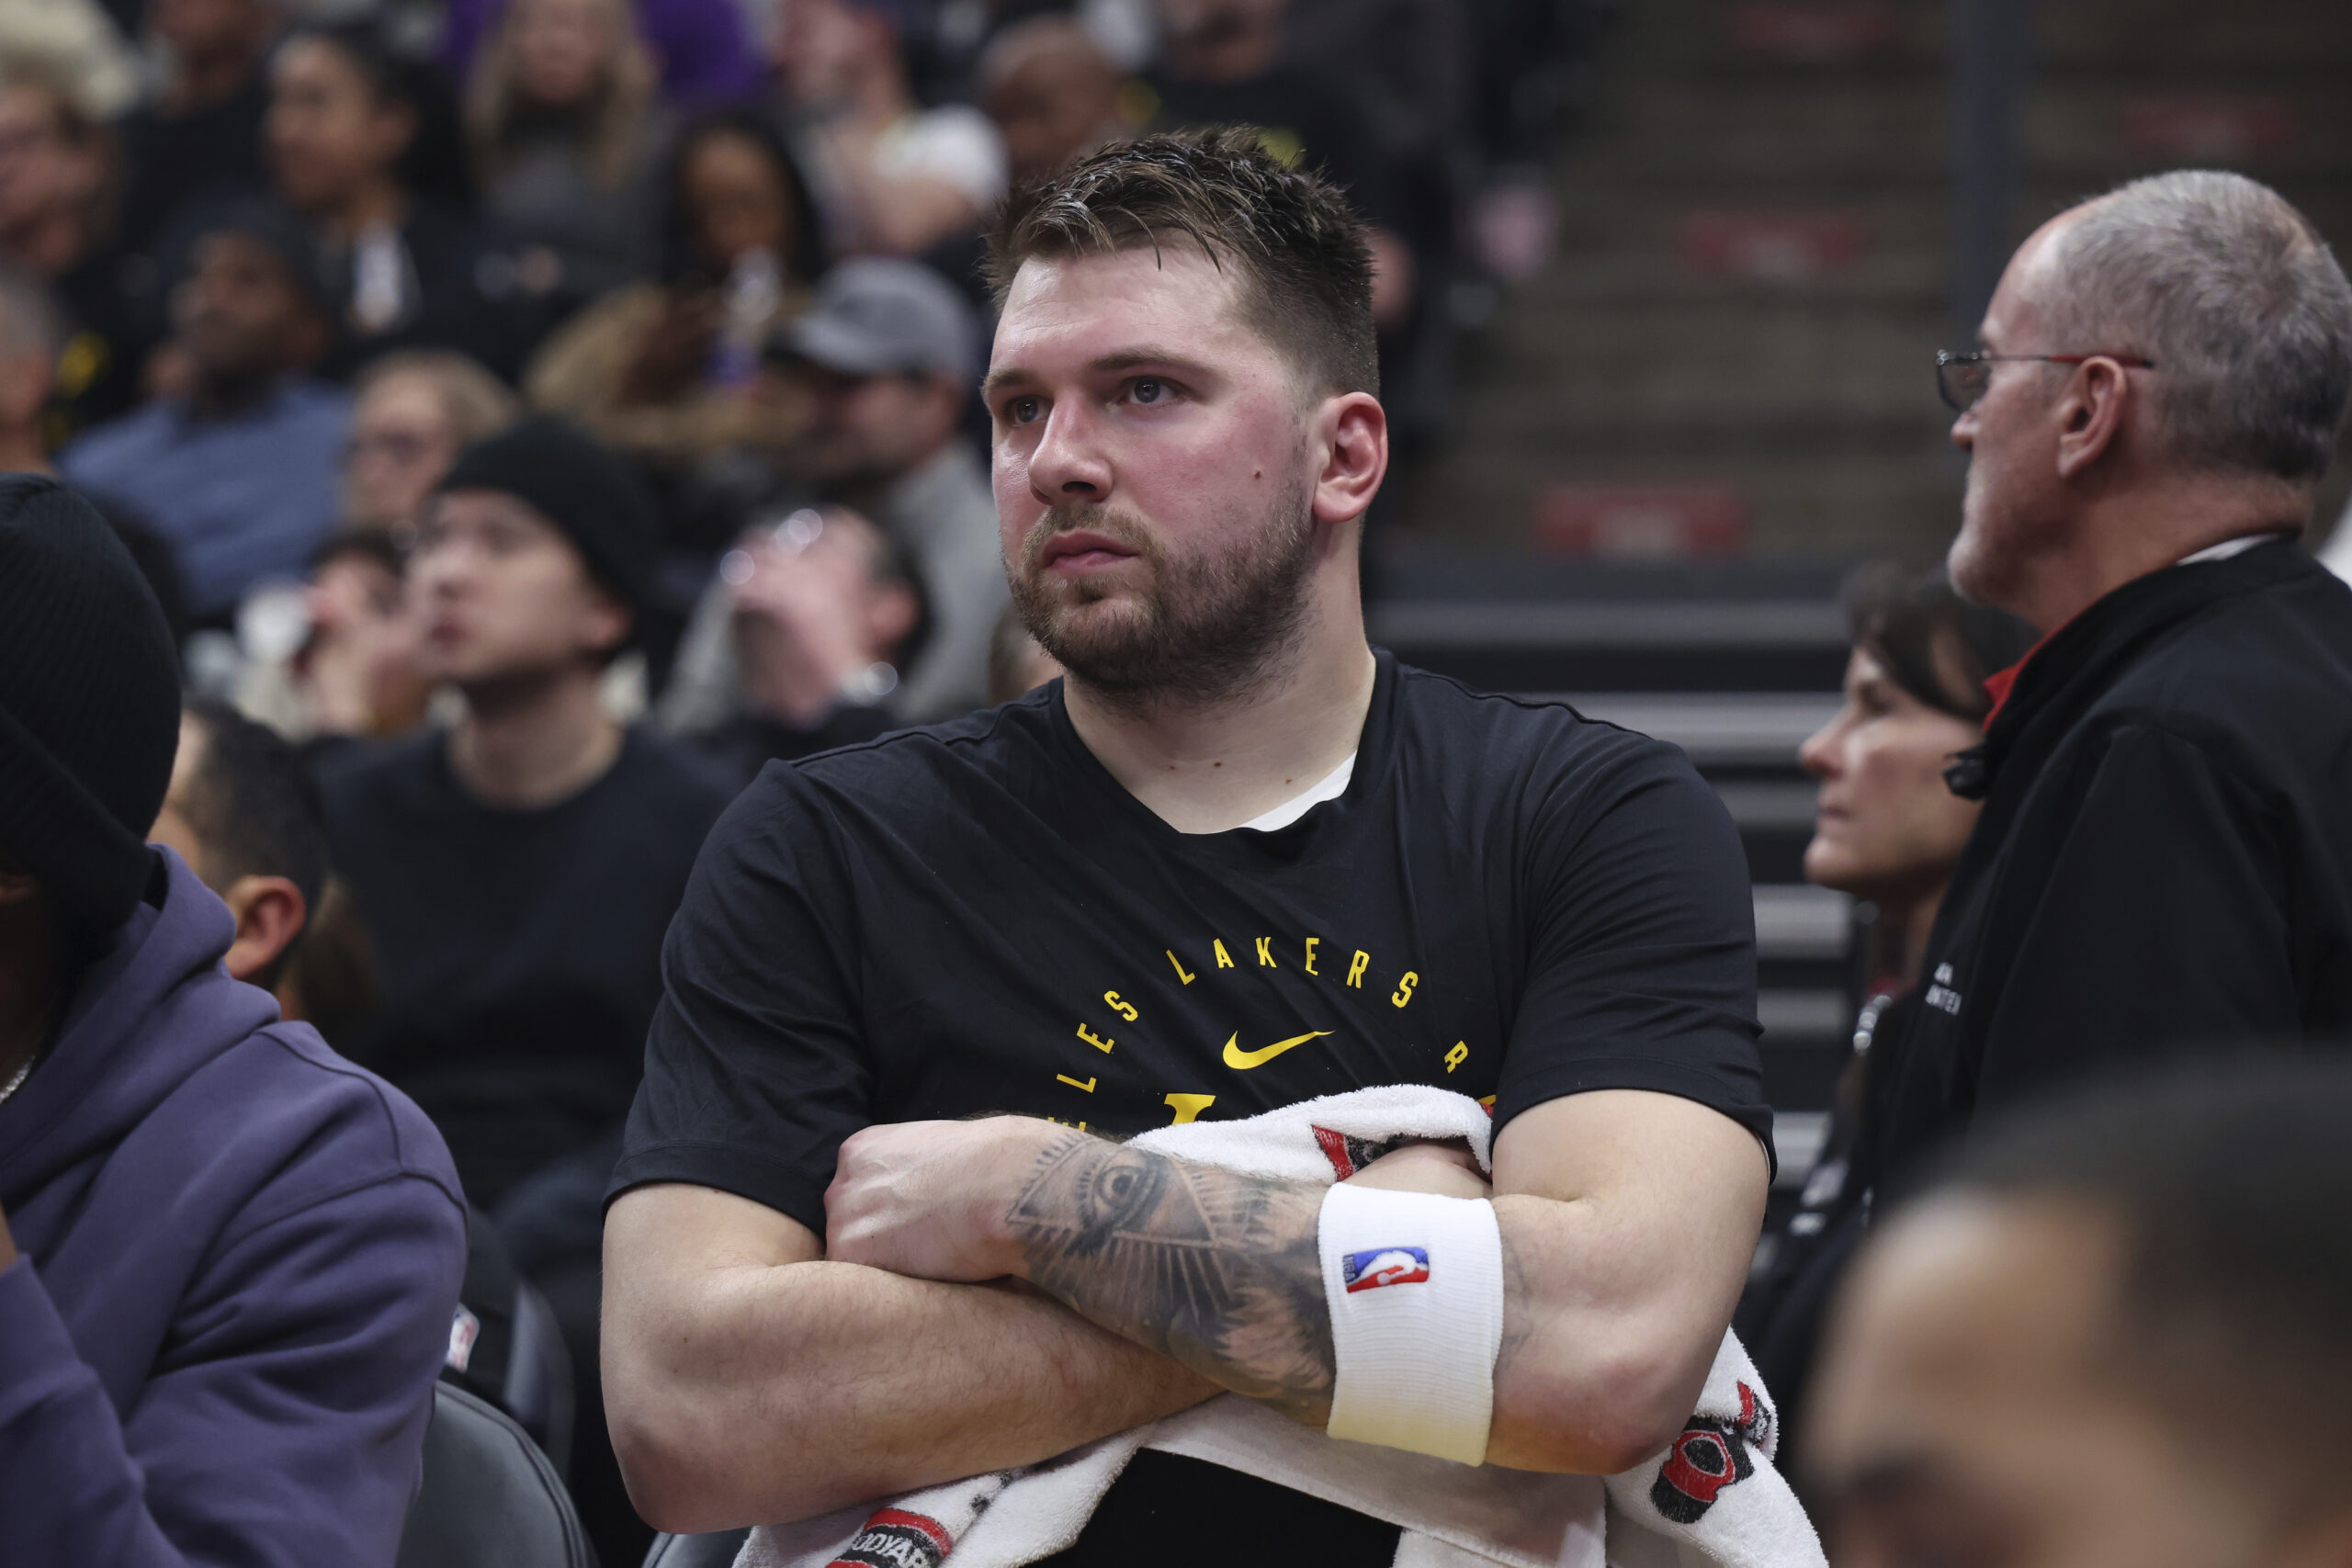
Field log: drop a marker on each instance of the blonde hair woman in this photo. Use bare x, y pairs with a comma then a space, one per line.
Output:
560, 116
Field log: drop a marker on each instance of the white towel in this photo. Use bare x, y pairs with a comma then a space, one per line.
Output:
1710, 1500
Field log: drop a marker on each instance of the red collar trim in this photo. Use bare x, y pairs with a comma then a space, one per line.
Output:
2000, 682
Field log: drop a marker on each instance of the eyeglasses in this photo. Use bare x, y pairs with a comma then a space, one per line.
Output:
1962, 377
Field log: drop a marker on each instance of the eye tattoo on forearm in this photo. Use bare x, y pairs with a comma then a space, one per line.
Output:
1215, 1270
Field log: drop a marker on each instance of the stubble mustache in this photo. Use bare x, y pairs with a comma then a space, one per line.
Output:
1091, 517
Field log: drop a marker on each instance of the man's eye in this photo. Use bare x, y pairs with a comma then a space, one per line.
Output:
1145, 389
1021, 411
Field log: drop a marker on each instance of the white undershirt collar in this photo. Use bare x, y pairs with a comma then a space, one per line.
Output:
1332, 785
2228, 548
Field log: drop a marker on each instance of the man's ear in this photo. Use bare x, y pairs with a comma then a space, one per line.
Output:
608, 622
1353, 430
269, 912
2091, 415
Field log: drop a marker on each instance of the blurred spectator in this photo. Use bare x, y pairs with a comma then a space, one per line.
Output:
1889, 832
559, 113
329, 981
821, 609
1053, 94
57, 216
411, 411
516, 874
884, 359
1017, 662
242, 812
30, 338
665, 371
2164, 859
1221, 63
1409, 61
334, 657
345, 114
2105, 1337
703, 46
78, 41
887, 356
1529, 55
896, 177
228, 1258
200, 137
352, 672
238, 474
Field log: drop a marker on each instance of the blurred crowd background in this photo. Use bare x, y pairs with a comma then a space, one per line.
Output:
698, 284
1659, 289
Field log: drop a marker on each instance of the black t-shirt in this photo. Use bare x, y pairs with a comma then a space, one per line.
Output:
746, 743
517, 952
1508, 900
172, 163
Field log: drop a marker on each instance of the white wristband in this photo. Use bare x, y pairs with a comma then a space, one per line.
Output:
1415, 1285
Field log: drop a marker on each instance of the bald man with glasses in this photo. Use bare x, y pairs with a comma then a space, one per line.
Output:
2165, 856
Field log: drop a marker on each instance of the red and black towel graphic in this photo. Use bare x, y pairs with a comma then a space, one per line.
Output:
1348, 1155
896, 1539
1709, 1456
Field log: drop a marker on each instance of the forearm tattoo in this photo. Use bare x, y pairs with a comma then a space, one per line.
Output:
1214, 1270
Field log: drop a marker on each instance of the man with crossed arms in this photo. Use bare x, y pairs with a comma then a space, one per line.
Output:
1252, 862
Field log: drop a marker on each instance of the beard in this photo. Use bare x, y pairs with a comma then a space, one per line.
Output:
1204, 631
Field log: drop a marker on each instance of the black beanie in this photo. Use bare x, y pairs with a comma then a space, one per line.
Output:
599, 503
89, 706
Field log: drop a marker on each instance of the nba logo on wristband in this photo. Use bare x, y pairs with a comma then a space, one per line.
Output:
1383, 1266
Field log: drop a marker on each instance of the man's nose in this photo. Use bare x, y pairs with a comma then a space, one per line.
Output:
1067, 463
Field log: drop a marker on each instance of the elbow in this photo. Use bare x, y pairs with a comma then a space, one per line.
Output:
672, 1481
683, 1473
1599, 1418
688, 1471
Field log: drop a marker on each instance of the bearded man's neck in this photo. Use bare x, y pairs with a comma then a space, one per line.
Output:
1205, 766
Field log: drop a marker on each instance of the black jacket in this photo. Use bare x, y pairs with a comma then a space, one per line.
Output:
2165, 858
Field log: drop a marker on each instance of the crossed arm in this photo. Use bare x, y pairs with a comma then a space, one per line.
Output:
995, 1292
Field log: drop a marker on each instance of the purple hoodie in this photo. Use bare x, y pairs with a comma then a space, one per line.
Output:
241, 1255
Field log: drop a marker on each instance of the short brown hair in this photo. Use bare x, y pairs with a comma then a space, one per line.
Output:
1304, 263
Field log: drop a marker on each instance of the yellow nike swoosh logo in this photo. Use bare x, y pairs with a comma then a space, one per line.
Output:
1236, 1057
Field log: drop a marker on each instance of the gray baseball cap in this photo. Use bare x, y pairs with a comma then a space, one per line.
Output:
880, 316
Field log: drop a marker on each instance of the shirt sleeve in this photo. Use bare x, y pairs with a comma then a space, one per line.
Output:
1641, 944
283, 1425
2162, 924
755, 1067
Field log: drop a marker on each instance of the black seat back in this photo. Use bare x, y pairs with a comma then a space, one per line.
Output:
715, 1549
490, 1498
